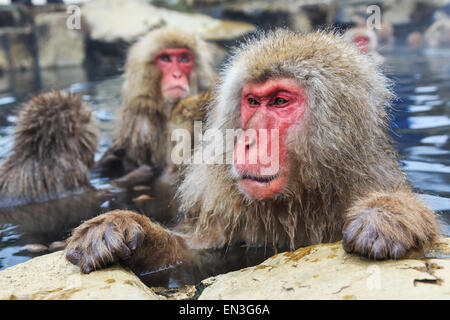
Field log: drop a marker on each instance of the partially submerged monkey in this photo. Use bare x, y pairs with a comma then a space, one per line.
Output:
338, 175
162, 68
55, 141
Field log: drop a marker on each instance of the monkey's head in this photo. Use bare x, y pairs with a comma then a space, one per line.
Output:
312, 111
56, 124
168, 65
365, 39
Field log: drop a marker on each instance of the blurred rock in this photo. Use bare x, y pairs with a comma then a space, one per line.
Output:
300, 15
395, 12
35, 247
57, 245
52, 277
58, 45
325, 271
13, 16
3, 61
115, 24
438, 34
116, 20
16, 49
127, 20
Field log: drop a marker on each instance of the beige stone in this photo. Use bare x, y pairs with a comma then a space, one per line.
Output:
127, 20
58, 45
53, 277
325, 271
17, 50
321, 271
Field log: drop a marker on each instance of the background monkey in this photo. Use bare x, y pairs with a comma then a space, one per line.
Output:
338, 176
55, 141
366, 40
162, 68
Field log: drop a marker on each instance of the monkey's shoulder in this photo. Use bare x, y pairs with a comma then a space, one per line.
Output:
192, 108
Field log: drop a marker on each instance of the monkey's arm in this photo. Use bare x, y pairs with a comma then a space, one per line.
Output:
387, 225
127, 237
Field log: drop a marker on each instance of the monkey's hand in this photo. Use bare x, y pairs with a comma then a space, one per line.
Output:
383, 226
103, 240
141, 175
126, 237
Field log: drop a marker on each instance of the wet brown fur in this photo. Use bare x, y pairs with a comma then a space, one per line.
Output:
142, 130
345, 180
55, 142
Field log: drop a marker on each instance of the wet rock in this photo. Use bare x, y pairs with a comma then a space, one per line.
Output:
187, 292
57, 245
325, 271
58, 45
322, 271
52, 277
35, 247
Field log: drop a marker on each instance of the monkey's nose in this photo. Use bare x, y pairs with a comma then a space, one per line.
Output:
177, 73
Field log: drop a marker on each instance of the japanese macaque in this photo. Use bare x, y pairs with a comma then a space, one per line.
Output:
164, 67
55, 142
438, 34
337, 177
366, 40
414, 41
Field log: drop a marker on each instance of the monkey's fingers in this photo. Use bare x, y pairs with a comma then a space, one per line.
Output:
141, 175
134, 236
104, 244
73, 256
365, 235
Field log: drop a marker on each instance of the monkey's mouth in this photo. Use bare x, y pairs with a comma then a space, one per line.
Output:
261, 179
261, 187
176, 92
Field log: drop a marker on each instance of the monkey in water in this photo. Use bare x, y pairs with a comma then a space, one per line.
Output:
366, 40
162, 69
335, 175
56, 139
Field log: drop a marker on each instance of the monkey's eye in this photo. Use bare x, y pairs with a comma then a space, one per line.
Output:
280, 101
184, 59
253, 102
165, 58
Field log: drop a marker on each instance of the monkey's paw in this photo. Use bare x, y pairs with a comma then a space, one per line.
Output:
375, 234
104, 240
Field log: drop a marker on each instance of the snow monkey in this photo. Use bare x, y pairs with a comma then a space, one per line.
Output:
162, 68
366, 40
324, 104
55, 142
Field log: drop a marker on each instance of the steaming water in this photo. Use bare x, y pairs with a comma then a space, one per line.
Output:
421, 130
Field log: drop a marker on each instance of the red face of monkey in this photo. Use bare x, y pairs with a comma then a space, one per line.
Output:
268, 110
175, 65
362, 42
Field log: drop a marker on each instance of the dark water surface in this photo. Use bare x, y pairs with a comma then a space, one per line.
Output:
421, 130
